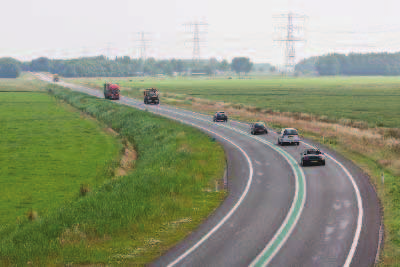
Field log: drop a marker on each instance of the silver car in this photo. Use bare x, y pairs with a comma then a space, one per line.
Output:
288, 136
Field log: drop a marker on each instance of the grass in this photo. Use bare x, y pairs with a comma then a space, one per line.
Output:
370, 99
46, 153
25, 83
128, 220
357, 116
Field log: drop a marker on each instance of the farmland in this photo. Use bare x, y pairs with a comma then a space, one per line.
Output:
373, 100
46, 153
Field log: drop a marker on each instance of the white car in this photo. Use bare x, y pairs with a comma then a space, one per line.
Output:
288, 136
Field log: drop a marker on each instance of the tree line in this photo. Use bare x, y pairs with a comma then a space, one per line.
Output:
9, 67
101, 66
351, 64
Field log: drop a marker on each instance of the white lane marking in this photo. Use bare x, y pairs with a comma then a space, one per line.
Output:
289, 232
230, 213
215, 228
360, 210
291, 210
289, 163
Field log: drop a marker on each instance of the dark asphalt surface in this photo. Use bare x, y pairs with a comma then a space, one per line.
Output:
326, 232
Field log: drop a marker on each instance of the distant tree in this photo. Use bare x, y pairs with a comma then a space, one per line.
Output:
9, 68
328, 65
241, 65
352, 64
212, 66
180, 66
70, 71
41, 64
224, 65
100, 66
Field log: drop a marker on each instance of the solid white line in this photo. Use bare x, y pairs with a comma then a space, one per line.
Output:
215, 228
246, 190
289, 232
280, 151
360, 211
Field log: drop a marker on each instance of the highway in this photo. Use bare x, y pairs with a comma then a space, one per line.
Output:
277, 212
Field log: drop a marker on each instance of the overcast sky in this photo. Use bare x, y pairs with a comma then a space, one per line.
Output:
73, 28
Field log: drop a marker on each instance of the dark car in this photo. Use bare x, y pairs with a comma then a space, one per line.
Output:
220, 116
258, 127
312, 156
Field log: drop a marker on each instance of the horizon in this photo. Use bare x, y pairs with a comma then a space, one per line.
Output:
73, 29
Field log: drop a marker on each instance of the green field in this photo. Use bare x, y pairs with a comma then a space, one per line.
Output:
375, 100
125, 220
46, 152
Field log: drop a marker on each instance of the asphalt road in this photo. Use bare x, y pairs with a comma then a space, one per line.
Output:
277, 212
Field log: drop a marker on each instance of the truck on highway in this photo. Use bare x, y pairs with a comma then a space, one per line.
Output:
56, 78
151, 95
111, 91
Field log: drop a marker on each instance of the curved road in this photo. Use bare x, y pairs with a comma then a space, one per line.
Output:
277, 213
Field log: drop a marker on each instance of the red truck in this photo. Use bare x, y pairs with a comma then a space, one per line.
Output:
111, 91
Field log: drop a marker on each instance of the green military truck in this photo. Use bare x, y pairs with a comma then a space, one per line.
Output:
151, 95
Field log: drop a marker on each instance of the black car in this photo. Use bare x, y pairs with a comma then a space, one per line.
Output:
258, 127
220, 116
312, 156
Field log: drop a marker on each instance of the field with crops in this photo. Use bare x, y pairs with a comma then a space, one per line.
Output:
374, 100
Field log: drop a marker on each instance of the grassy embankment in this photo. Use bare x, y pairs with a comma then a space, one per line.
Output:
357, 116
127, 219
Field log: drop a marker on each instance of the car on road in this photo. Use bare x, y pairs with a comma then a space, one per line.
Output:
288, 136
312, 156
220, 116
258, 127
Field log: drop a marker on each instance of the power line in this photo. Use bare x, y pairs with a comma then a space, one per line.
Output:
143, 44
288, 25
196, 29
